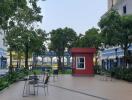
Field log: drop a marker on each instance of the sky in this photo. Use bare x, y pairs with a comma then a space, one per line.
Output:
79, 15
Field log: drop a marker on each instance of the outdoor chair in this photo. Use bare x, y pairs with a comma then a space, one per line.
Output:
108, 76
44, 76
105, 76
25, 89
44, 84
33, 81
30, 82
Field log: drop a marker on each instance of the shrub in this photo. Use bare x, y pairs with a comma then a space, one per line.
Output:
97, 69
10, 78
3, 82
122, 73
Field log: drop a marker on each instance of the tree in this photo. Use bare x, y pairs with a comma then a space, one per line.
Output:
91, 39
116, 29
110, 25
70, 37
8, 9
13, 39
78, 41
126, 32
38, 46
60, 40
24, 20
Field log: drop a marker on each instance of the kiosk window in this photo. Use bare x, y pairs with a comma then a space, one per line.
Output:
80, 62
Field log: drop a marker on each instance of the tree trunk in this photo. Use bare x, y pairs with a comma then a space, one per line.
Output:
18, 59
19, 62
51, 61
42, 60
10, 67
59, 63
125, 56
63, 64
33, 62
26, 56
36, 61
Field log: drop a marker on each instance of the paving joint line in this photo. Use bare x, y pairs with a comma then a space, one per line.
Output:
76, 91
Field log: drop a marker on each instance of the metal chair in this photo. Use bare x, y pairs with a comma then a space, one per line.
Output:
31, 81
44, 84
25, 89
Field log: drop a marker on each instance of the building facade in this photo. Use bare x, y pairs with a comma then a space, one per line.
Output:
114, 57
122, 6
3, 52
111, 3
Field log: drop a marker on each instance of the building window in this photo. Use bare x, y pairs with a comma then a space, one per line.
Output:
124, 9
80, 62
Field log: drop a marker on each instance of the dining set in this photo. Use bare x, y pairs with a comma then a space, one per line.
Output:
32, 83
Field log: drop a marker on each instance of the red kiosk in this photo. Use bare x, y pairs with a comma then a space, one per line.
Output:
82, 61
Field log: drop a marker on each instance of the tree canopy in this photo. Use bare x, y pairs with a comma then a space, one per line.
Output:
8, 9
62, 39
21, 31
90, 39
116, 30
110, 25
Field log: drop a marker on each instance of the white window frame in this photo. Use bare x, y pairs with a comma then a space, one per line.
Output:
77, 62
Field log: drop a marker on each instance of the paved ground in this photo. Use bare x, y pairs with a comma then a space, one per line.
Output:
75, 88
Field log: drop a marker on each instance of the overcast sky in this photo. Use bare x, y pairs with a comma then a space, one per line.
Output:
77, 14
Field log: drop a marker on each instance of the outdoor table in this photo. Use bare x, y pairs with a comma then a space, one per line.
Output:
31, 80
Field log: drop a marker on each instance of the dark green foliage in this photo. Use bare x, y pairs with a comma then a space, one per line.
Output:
122, 73
115, 72
62, 39
91, 39
21, 33
8, 9
116, 30
10, 78
17, 75
110, 25
68, 71
3, 83
97, 69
